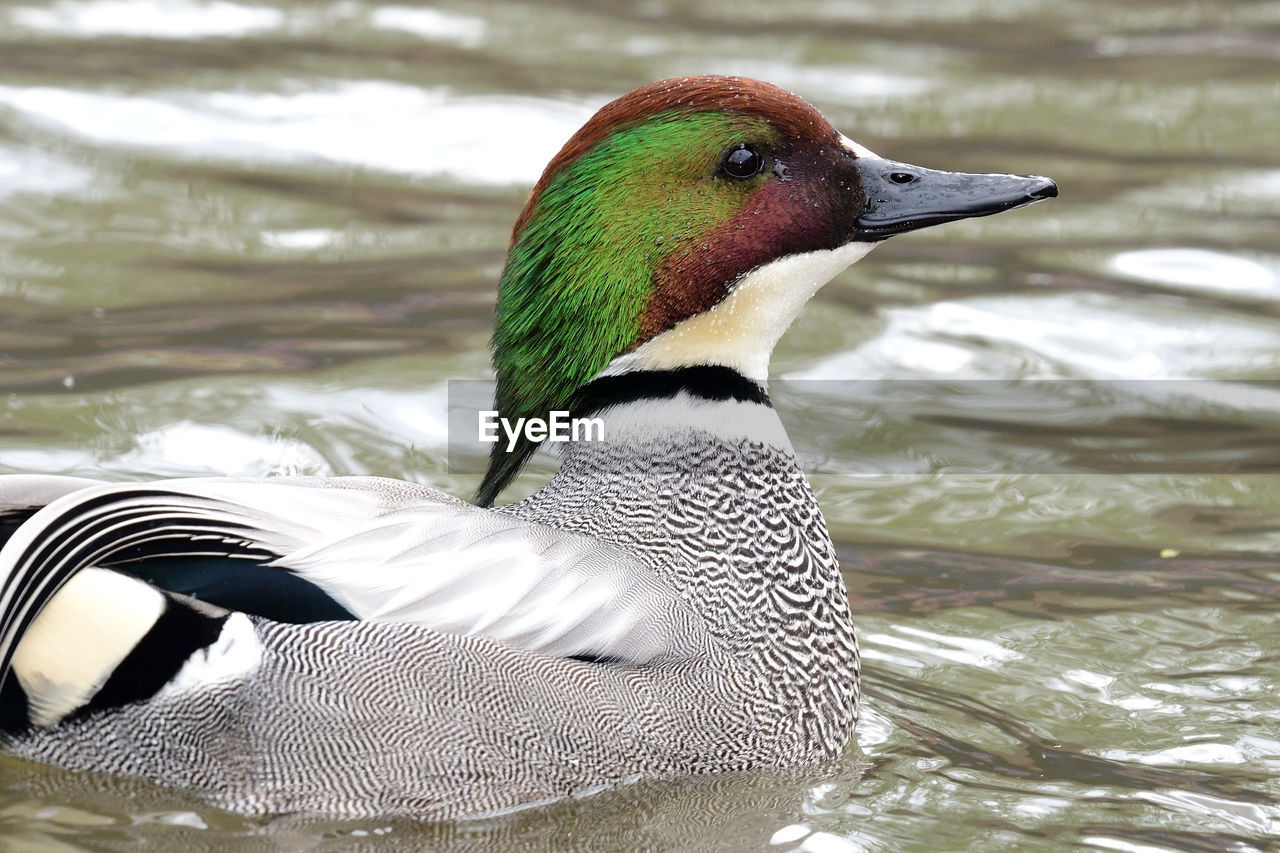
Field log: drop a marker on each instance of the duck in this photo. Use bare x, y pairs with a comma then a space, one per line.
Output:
669, 603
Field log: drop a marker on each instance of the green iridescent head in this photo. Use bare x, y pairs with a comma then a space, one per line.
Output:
649, 216
643, 219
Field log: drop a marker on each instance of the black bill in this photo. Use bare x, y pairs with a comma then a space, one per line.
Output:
902, 197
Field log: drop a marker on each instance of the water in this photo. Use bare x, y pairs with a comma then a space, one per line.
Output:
253, 237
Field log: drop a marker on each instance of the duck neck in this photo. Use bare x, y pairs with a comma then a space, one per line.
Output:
705, 404
674, 440
695, 475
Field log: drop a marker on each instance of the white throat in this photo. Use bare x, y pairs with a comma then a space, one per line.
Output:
742, 329
638, 421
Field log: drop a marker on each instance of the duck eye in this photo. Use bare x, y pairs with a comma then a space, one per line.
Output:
742, 162
902, 177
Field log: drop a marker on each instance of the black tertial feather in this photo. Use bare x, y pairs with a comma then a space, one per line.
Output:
239, 584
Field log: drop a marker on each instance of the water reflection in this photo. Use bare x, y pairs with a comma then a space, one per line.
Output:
729, 813
374, 124
24, 171
1061, 335
432, 24
1199, 269
160, 19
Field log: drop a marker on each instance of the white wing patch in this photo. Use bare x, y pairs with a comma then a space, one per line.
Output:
80, 638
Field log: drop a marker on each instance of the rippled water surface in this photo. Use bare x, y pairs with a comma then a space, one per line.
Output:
254, 237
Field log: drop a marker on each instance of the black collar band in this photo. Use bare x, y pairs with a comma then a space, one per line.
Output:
705, 382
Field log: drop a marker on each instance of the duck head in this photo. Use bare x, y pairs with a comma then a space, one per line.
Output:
686, 224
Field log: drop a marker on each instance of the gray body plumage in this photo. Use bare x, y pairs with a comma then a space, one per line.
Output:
757, 667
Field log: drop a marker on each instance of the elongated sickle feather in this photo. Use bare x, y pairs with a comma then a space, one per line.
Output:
104, 532
304, 550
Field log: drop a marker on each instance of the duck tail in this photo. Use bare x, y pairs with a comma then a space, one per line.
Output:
76, 637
